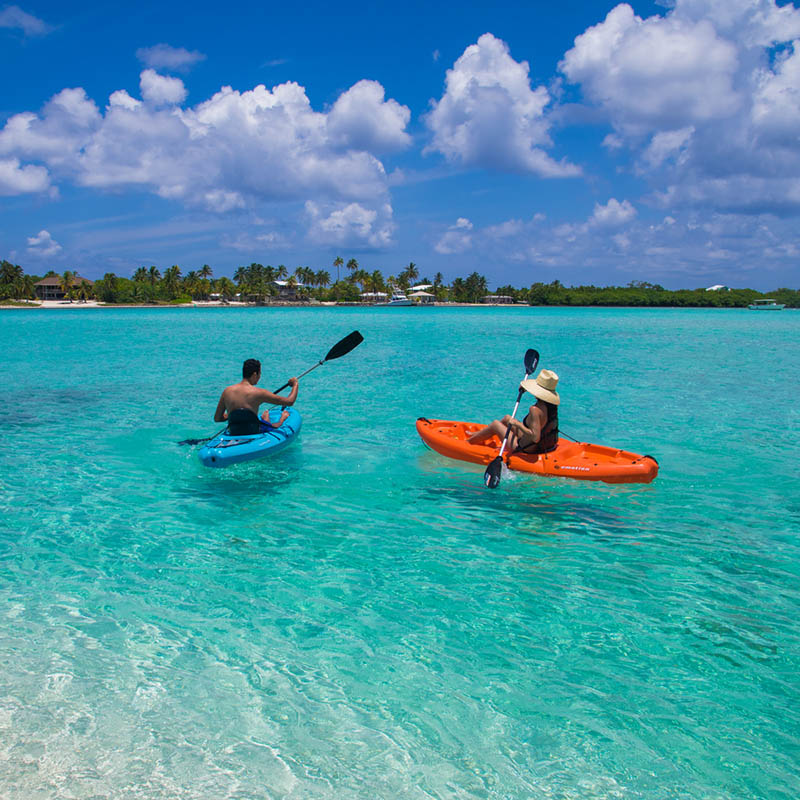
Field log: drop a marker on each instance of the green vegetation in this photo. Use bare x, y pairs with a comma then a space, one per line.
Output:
257, 283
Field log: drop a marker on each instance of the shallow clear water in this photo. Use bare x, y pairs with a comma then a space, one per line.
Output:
359, 617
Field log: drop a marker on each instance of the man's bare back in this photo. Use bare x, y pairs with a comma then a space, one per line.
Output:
247, 395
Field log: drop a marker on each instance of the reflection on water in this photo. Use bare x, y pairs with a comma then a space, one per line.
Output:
360, 617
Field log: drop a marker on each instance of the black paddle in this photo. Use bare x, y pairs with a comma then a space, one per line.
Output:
492, 475
341, 348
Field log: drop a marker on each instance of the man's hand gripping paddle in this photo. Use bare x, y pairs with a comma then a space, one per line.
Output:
492, 475
341, 348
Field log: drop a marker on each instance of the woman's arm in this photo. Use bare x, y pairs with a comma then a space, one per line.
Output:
534, 427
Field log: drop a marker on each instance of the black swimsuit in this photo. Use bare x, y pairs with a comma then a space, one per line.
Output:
243, 422
548, 438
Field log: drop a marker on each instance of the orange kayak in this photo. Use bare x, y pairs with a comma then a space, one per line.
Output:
586, 462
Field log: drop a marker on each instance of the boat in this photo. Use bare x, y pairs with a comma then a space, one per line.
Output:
578, 460
225, 449
399, 298
767, 304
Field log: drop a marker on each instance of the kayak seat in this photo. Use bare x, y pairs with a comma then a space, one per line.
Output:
243, 422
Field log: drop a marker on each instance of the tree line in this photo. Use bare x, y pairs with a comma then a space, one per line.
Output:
261, 284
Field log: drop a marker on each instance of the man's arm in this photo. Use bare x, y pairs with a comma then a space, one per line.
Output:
219, 414
278, 399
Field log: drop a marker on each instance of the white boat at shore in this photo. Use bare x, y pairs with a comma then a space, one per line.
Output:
398, 299
766, 305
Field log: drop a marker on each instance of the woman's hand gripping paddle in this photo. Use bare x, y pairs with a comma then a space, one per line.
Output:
492, 475
341, 348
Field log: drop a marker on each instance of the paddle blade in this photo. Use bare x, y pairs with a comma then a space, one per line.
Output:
531, 360
196, 441
351, 341
493, 472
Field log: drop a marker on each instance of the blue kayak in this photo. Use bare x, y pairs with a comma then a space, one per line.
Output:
224, 449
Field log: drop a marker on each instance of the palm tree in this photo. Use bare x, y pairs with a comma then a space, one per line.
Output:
258, 278
240, 276
205, 271
376, 281
410, 273
352, 265
475, 287
67, 280
153, 275
323, 278
85, 290
108, 288
27, 288
171, 281
9, 273
140, 276
304, 275
226, 288
438, 288
362, 278
190, 283
337, 262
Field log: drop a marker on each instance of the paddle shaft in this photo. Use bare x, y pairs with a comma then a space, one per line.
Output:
513, 416
318, 364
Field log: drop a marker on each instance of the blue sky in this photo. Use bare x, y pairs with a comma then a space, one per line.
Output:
588, 142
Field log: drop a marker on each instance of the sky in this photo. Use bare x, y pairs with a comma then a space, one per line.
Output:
587, 142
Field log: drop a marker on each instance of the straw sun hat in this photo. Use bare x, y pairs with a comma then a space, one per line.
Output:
544, 387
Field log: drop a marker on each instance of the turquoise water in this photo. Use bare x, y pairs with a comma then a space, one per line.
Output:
359, 618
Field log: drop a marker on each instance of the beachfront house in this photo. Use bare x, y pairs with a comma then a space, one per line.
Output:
497, 299
289, 291
422, 297
50, 288
718, 287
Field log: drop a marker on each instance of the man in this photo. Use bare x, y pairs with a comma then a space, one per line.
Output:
239, 403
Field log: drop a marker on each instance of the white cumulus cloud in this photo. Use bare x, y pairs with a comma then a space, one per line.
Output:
361, 118
350, 225
657, 72
707, 97
457, 239
16, 179
612, 214
489, 116
43, 244
232, 151
160, 89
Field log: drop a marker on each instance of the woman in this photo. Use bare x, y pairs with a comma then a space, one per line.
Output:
538, 432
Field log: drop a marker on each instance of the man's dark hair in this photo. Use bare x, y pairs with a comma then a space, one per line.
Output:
250, 366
